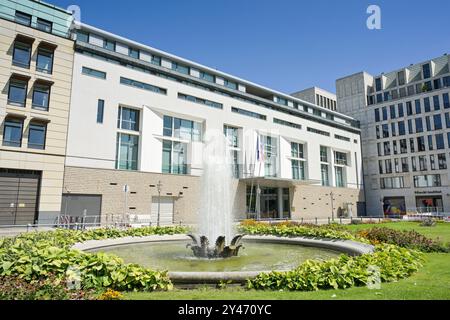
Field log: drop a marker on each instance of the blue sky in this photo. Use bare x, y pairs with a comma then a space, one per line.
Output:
286, 45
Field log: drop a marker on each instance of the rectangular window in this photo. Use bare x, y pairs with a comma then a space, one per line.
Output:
432, 162
401, 128
428, 123
377, 115
388, 165
340, 158
392, 183
380, 167
446, 99
447, 120
180, 68
396, 166
427, 181
403, 146
423, 166
12, 133
127, 151
401, 112
405, 165
128, 119
17, 92
421, 144
340, 177
325, 175
142, 85
401, 76
419, 125
437, 122
394, 147
387, 148
44, 62
437, 84
426, 71
430, 143
413, 164
109, 45
36, 136
207, 77
298, 170
270, 145
133, 53
21, 54
385, 113
174, 159
182, 129
393, 113
409, 109
248, 113
287, 123
411, 145
232, 135
442, 161
336, 136
378, 86
377, 129
410, 127
437, 104
205, 102
385, 129
23, 18
440, 142
93, 73
44, 25
323, 154
100, 110
231, 84
41, 97
427, 104
393, 129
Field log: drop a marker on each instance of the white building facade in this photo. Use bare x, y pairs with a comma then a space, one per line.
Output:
405, 123
138, 120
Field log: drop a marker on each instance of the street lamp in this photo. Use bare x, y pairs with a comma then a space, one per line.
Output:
332, 205
159, 185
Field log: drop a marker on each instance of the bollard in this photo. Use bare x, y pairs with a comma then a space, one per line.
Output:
317, 222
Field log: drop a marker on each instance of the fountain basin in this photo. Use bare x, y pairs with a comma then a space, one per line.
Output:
283, 254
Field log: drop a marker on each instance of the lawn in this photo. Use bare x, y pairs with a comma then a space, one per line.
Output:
431, 282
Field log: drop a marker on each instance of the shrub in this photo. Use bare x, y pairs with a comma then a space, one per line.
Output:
110, 295
405, 239
393, 262
429, 222
51, 288
34, 256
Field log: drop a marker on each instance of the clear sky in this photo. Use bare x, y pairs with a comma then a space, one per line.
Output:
286, 45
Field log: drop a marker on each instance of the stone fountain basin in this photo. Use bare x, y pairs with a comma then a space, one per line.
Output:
351, 248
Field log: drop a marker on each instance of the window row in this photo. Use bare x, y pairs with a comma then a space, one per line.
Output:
13, 134
21, 56
402, 165
398, 111
18, 90
419, 144
26, 20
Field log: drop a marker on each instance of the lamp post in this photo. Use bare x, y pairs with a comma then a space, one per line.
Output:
332, 205
159, 185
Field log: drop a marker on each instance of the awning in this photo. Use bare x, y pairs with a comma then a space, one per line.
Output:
24, 38
48, 45
15, 115
44, 82
40, 119
20, 76
278, 182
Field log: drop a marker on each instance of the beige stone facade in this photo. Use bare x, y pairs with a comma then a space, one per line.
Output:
50, 161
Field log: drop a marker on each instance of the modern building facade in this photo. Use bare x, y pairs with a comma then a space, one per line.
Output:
139, 117
36, 54
319, 97
405, 123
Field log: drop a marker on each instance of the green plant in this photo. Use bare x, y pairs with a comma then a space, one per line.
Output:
406, 239
429, 222
393, 262
34, 256
110, 295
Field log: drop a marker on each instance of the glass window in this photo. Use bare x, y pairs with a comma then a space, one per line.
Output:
418, 107
44, 25
207, 77
393, 129
412, 145
403, 146
109, 45
421, 144
380, 167
427, 104
100, 110
127, 151
167, 126
23, 18
133, 53
174, 157
428, 122
385, 129
393, 113
446, 81
446, 99
405, 165
427, 181
442, 161
437, 84
142, 85
41, 96
270, 145
323, 154
440, 142
410, 127
128, 119
180, 68
297, 150
167, 157
387, 148
385, 113
340, 177
409, 109
432, 162
419, 125
21, 54
430, 143
423, 166
401, 78
324, 174
413, 164
44, 61
298, 170
377, 115
231, 84
36, 136
388, 165
447, 120
401, 128
156, 60
437, 105
82, 36
426, 71
12, 133
93, 73
378, 84
437, 122
400, 110
232, 135
182, 129
340, 158
17, 92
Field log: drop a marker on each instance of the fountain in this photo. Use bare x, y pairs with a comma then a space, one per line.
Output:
216, 212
